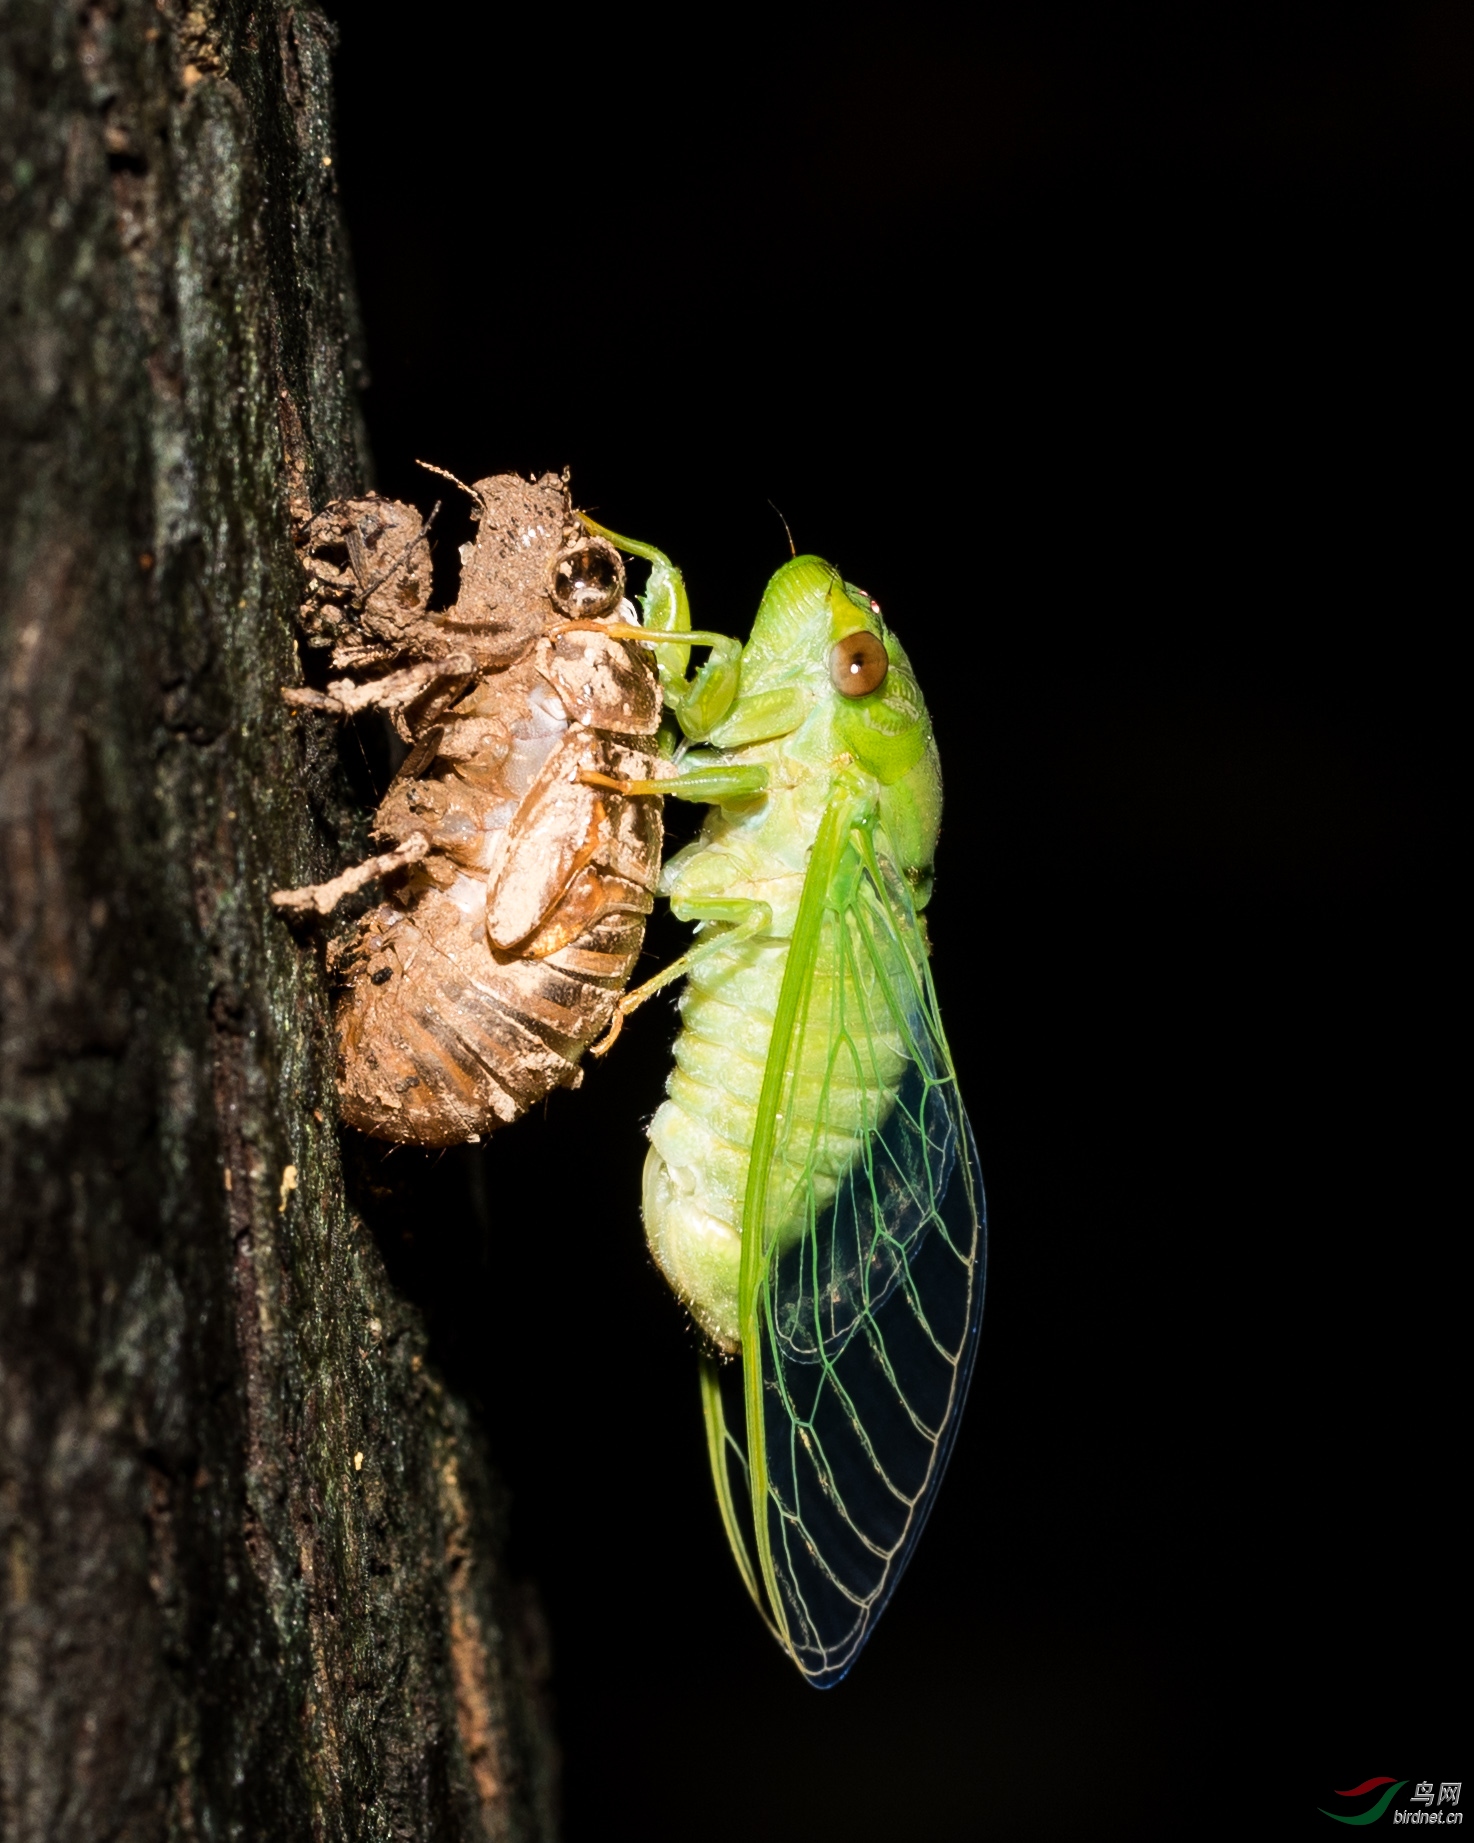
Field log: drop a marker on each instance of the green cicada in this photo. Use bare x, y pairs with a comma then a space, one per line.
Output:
812, 1189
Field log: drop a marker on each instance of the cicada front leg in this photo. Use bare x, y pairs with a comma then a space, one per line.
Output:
413, 698
710, 784
698, 704
425, 689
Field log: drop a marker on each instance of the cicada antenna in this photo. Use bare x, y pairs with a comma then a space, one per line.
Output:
792, 547
446, 474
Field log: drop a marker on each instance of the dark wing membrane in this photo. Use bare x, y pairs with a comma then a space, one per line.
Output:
872, 1291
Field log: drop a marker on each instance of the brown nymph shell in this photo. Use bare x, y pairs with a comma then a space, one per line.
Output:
515, 892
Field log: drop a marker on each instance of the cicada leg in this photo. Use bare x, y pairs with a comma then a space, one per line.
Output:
700, 705
431, 685
697, 704
323, 898
747, 916
723, 784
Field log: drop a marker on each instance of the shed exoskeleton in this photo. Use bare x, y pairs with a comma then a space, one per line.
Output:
516, 890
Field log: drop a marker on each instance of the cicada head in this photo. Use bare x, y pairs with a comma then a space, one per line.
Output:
823, 644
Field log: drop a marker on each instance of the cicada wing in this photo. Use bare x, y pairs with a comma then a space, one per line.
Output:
864, 1315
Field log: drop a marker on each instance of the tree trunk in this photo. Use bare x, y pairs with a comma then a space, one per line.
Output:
250, 1573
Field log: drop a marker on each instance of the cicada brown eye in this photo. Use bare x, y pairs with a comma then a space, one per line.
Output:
858, 664
588, 580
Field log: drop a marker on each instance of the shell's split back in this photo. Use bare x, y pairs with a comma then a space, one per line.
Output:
502, 947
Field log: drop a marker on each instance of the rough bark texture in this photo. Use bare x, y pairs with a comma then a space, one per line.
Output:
250, 1573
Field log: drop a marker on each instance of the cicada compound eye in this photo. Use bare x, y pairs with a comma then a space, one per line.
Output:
587, 580
858, 664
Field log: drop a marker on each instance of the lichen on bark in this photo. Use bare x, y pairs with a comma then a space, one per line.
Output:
251, 1581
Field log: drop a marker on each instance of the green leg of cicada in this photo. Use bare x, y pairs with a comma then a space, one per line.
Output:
721, 784
697, 704
700, 705
747, 918
717, 784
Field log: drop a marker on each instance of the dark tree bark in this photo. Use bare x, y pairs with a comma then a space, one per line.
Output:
250, 1573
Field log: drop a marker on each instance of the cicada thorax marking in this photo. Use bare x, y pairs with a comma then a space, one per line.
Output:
499, 954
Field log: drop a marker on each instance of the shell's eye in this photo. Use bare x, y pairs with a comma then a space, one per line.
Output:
858, 664
587, 580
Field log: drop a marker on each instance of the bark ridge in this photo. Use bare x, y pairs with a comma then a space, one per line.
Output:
251, 1585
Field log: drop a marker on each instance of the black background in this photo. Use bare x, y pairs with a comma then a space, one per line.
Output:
1119, 353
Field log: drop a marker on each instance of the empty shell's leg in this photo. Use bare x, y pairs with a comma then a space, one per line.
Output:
395, 692
323, 898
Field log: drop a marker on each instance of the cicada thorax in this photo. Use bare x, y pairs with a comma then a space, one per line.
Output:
499, 954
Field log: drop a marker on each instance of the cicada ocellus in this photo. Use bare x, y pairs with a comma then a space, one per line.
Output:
812, 1189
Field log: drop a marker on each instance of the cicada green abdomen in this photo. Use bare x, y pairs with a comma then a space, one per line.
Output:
812, 1189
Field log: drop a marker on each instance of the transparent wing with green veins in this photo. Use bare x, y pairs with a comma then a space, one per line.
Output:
862, 1277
